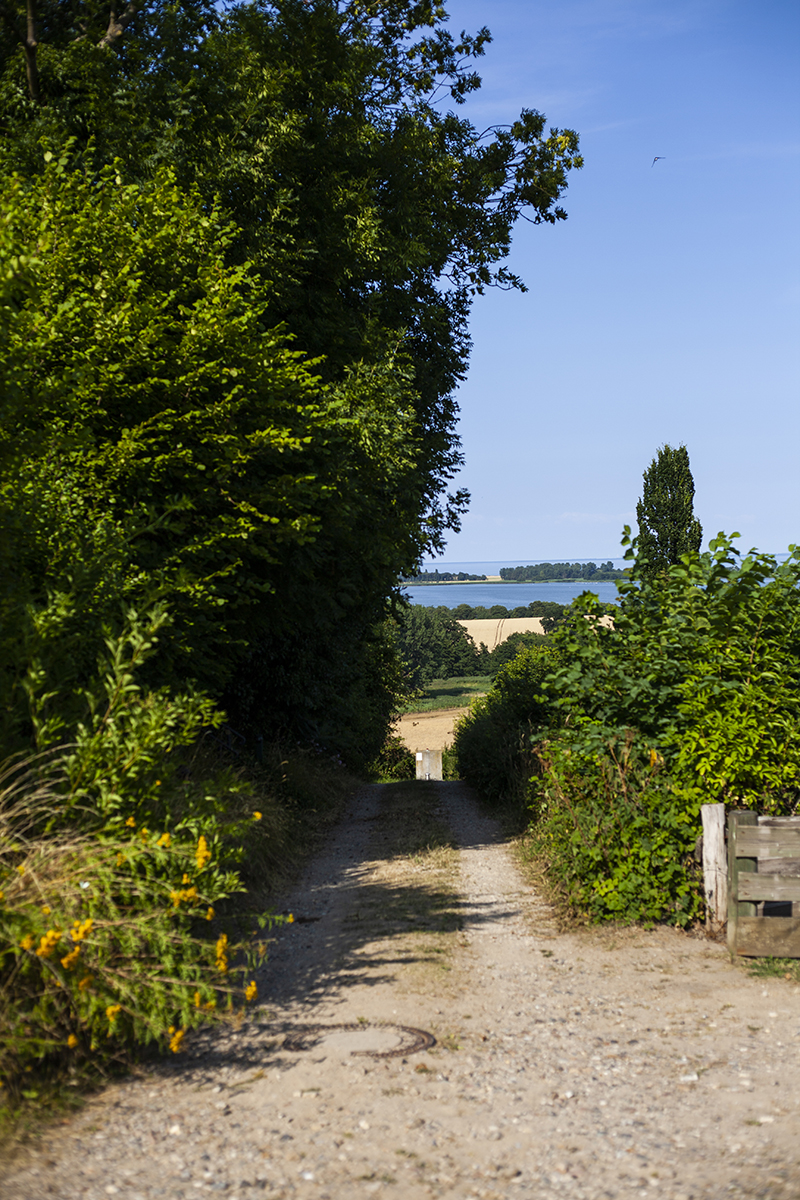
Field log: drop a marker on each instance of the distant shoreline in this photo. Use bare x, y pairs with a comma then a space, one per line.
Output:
447, 582
497, 579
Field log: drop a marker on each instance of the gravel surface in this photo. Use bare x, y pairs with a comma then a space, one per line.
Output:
591, 1064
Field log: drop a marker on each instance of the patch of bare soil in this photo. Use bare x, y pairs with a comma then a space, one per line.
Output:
595, 1064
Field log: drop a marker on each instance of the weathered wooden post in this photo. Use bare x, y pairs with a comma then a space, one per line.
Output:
715, 866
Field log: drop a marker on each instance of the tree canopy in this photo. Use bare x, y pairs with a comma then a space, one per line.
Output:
241, 248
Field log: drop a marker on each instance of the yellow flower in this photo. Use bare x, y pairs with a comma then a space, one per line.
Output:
210, 1005
290, 919
176, 1039
69, 960
86, 982
187, 895
27, 941
164, 841
80, 929
21, 869
222, 953
203, 854
158, 783
131, 823
256, 816
2, 896
251, 991
46, 909
197, 999
48, 943
210, 915
186, 880
72, 1041
262, 949
112, 1011
144, 833
120, 859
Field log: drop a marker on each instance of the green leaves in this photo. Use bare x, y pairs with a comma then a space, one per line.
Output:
690, 697
493, 742
254, 234
173, 449
616, 838
432, 644
668, 528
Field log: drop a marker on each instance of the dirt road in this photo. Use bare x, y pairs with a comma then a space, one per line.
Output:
586, 1065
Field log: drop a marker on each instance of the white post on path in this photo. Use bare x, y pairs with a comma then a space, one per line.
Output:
715, 865
429, 764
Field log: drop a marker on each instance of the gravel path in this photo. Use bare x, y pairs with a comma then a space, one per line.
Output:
584, 1065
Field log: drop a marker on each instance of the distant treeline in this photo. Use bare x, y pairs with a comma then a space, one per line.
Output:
548, 610
443, 577
432, 645
539, 572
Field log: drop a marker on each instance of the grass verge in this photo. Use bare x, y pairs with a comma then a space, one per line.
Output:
774, 968
458, 692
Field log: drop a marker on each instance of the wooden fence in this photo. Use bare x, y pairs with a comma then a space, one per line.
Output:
763, 885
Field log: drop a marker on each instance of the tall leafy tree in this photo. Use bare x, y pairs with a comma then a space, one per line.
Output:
668, 527
329, 132
366, 213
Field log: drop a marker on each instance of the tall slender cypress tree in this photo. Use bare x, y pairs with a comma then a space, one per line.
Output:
668, 527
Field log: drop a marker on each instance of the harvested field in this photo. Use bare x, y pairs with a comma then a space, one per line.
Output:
495, 631
428, 731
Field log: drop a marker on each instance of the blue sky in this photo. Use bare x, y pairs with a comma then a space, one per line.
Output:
667, 308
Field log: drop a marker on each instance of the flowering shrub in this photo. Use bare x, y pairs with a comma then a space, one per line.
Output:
109, 878
100, 949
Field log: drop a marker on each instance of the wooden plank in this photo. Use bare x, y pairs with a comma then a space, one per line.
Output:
767, 842
768, 887
768, 937
780, 866
780, 822
738, 822
715, 866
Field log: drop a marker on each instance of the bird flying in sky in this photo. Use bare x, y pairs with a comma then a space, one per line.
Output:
657, 158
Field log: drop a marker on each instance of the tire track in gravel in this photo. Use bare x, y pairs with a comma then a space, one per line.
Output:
595, 1064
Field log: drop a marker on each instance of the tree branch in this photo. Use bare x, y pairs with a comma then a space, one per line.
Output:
29, 46
118, 25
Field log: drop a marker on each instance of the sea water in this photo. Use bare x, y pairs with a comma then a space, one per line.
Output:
510, 595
